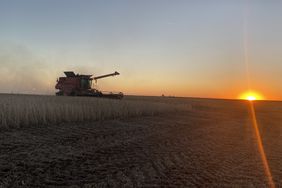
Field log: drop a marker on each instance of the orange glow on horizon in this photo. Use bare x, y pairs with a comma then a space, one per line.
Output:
251, 96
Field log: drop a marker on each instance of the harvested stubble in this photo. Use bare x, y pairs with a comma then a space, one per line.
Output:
27, 110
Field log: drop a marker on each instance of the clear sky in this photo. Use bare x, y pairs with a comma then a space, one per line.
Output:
172, 47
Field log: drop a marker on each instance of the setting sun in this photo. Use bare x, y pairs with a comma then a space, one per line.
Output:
251, 96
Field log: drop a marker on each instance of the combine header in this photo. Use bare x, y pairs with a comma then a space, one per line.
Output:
81, 85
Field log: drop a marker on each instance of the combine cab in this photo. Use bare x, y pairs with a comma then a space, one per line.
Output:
81, 85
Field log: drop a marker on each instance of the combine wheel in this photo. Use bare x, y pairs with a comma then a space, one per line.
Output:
73, 93
60, 93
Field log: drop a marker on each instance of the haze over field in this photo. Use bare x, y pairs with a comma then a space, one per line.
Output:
182, 48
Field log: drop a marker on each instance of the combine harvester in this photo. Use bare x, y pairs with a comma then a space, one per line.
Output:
81, 85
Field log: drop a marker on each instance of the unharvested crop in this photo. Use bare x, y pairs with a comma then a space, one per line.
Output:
27, 110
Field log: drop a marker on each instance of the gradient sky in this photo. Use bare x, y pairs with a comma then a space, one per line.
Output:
180, 47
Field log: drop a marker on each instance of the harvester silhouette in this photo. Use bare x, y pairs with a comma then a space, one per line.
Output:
81, 85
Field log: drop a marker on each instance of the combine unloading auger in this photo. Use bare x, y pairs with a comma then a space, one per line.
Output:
106, 75
81, 85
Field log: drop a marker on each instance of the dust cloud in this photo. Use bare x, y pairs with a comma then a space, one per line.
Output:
22, 71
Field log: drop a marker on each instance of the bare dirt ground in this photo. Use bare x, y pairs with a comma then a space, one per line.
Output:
212, 145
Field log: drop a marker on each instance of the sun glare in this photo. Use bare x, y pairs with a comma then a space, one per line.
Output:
251, 96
